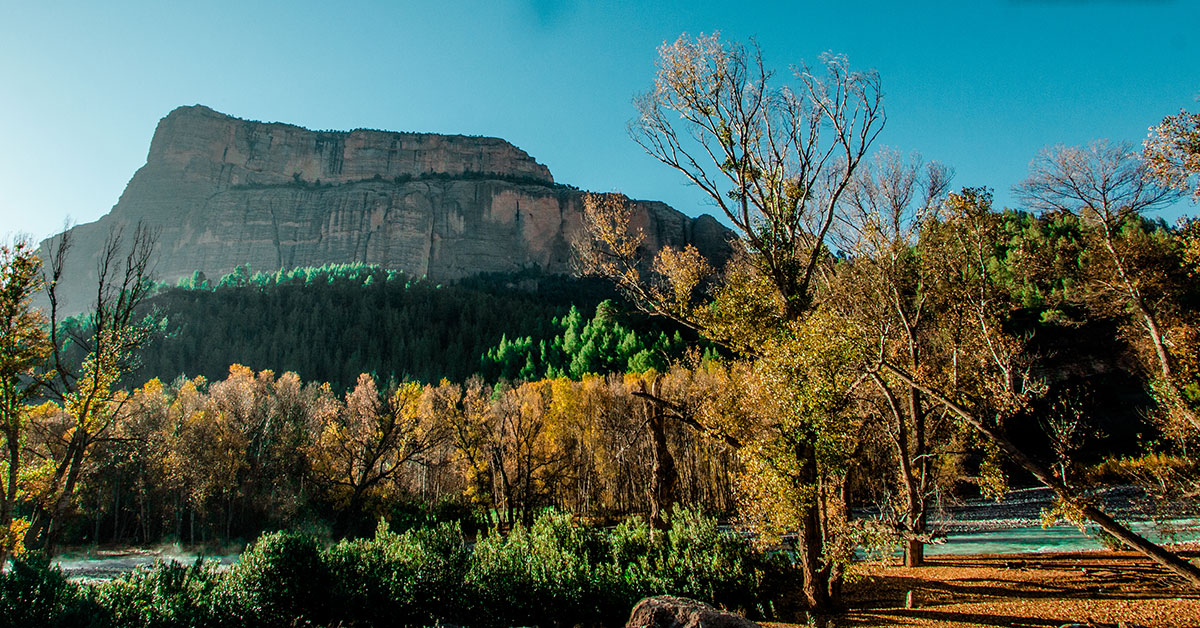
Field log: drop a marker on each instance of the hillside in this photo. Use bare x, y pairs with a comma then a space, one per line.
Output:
330, 324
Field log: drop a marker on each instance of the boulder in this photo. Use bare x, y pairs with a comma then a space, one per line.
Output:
669, 611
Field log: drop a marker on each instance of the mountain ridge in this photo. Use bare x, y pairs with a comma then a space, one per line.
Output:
221, 191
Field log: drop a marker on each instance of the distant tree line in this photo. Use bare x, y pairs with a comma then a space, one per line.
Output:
209, 462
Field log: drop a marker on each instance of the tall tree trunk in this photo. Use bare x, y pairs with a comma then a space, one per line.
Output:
914, 548
116, 513
10, 497
914, 516
664, 477
811, 542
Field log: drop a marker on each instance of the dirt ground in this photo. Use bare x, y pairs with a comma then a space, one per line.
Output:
1045, 589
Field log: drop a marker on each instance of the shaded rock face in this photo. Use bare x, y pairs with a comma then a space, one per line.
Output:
222, 191
669, 611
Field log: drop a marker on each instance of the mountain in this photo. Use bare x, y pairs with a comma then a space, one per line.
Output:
222, 191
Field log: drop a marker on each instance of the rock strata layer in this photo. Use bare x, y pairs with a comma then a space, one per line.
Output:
222, 191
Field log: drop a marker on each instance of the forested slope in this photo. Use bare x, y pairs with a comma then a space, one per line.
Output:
332, 323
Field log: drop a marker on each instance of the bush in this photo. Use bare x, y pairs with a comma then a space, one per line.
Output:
35, 593
694, 559
281, 580
414, 515
410, 578
551, 573
167, 595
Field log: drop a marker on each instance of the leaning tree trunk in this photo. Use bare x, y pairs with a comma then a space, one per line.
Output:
1131, 539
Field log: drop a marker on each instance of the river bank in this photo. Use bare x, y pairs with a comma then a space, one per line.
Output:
970, 527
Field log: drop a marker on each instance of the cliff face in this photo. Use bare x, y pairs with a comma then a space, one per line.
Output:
223, 191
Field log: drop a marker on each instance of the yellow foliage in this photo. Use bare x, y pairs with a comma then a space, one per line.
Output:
13, 541
154, 387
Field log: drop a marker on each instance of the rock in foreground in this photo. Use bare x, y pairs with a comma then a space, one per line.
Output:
669, 611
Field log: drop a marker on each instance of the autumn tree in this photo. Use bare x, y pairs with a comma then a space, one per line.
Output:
886, 286
210, 452
1109, 188
360, 447
1172, 152
192, 457
526, 458
108, 337
198, 461
465, 412
24, 346
800, 435
990, 375
776, 161
269, 416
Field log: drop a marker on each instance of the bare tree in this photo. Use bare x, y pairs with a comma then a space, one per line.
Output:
1108, 187
775, 160
107, 340
885, 286
1172, 152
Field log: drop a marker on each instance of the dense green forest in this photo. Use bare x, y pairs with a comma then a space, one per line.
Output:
330, 324
581, 347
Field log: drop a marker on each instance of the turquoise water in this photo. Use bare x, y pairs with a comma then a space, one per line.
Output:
1062, 538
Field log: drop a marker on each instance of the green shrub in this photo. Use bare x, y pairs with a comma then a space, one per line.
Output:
413, 515
35, 593
167, 595
280, 580
639, 555
694, 559
551, 573
412, 578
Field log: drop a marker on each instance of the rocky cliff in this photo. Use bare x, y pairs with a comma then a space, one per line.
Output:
222, 191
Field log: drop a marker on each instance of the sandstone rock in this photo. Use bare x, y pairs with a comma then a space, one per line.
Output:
668, 611
222, 191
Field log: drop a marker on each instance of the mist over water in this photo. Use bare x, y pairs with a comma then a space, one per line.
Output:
103, 565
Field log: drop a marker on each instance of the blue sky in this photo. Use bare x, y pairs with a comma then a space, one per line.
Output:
980, 86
